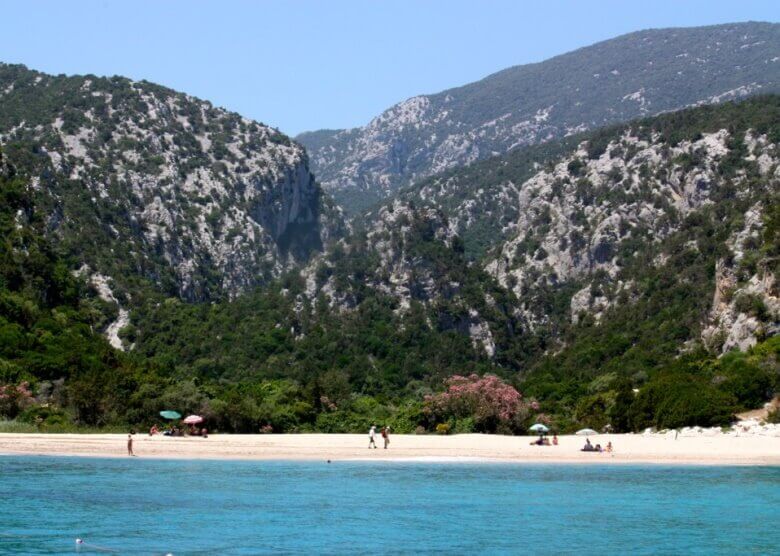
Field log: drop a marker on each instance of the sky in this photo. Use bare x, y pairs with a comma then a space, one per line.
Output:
304, 65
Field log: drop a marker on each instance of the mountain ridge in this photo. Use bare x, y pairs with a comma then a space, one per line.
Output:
587, 88
197, 200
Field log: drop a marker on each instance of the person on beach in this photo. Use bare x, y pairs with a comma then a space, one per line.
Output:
371, 435
588, 446
130, 444
555, 440
609, 447
386, 435
154, 430
542, 441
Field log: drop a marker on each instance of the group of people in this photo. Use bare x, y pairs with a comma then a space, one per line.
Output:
173, 430
597, 448
372, 436
545, 441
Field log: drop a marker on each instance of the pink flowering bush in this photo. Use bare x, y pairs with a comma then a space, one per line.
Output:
14, 399
492, 404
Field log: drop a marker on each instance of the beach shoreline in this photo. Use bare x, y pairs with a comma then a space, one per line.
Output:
748, 450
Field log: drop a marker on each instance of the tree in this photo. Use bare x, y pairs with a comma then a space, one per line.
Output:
494, 405
620, 414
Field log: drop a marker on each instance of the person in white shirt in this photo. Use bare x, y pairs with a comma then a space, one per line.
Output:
371, 435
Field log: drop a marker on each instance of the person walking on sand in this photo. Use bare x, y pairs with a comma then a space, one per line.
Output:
371, 435
386, 436
130, 444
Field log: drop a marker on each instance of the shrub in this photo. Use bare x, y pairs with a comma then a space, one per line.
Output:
43, 416
491, 403
14, 398
576, 167
464, 426
749, 384
751, 304
675, 400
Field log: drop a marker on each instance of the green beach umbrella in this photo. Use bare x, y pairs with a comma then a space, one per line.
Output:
168, 414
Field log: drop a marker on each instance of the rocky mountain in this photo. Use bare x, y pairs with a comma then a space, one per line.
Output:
576, 228
141, 183
642, 256
656, 232
589, 217
642, 73
652, 232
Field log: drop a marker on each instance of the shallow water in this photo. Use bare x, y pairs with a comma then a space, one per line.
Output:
185, 507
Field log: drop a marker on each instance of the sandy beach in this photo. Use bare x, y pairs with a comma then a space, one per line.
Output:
629, 448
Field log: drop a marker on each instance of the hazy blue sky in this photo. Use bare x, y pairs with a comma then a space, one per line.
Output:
303, 65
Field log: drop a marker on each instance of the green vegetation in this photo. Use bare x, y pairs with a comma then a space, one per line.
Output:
47, 320
338, 348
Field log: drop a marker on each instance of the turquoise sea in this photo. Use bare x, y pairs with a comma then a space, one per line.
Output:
138, 506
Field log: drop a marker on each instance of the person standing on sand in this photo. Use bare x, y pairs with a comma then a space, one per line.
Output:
386, 435
130, 444
371, 435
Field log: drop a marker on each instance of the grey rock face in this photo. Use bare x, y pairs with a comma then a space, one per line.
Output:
742, 310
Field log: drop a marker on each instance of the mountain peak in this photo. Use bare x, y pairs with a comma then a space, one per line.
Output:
638, 74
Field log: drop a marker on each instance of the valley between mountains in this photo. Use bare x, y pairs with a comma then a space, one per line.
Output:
591, 240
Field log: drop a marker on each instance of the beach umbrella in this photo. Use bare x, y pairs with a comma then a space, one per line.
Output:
168, 414
538, 427
193, 420
586, 432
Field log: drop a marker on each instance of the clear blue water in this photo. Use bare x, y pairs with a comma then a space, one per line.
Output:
208, 507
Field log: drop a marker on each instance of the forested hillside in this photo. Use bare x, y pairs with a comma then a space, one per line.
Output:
639, 255
624, 276
49, 351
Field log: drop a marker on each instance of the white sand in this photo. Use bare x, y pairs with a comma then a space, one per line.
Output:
629, 448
